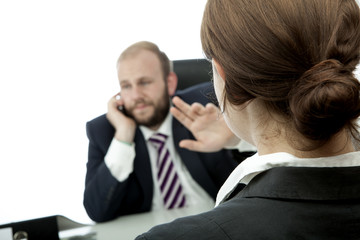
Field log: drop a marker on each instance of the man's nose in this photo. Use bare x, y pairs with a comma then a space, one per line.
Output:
137, 92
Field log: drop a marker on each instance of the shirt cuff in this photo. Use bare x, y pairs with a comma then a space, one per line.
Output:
120, 159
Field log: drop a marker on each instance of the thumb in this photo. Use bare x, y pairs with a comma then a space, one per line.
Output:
192, 145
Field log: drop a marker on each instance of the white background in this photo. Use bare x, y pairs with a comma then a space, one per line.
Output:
57, 71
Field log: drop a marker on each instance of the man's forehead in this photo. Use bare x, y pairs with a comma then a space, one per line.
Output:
139, 56
139, 67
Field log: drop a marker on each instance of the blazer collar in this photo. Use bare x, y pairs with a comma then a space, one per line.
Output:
192, 160
306, 183
252, 166
142, 167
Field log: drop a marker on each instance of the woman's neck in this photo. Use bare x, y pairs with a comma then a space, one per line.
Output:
337, 145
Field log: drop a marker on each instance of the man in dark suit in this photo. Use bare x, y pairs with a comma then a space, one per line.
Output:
121, 170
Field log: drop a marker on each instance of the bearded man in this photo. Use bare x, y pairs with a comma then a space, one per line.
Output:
135, 163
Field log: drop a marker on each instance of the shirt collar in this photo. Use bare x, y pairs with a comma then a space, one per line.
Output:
165, 128
256, 164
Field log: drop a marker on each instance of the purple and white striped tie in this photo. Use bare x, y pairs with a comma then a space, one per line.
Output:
169, 182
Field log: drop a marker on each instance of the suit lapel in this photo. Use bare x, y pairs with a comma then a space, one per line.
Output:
142, 167
192, 160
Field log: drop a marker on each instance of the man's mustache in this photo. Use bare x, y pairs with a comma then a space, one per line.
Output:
138, 102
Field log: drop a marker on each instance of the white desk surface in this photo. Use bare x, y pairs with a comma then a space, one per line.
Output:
128, 227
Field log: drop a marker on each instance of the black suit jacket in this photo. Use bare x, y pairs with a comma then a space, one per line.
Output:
282, 203
105, 198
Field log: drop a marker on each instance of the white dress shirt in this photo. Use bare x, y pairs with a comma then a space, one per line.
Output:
120, 161
256, 164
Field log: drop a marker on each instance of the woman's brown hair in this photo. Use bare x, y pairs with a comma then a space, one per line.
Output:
296, 56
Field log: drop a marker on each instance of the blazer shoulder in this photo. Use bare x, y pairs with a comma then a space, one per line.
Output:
198, 226
99, 127
99, 122
99, 119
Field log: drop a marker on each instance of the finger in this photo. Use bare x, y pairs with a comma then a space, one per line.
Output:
181, 117
180, 104
115, 98
116, 101
184, 108
196, 109
117, 95
119, 100
211, 108
191, 145
212, 111
192, 111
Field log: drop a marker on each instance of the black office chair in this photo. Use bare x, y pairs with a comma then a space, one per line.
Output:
192, 71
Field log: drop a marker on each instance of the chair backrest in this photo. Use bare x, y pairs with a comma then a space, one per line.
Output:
192, 71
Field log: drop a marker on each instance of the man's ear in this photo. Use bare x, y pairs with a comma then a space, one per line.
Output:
219, 69
172, 81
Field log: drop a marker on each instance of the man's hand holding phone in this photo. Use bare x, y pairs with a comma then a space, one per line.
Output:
124, 125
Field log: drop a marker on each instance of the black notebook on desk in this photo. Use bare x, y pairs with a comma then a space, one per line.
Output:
56, 227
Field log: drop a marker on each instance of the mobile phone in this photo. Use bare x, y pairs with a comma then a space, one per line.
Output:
122, 107
123, 110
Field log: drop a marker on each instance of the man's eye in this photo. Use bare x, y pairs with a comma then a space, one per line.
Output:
144, 83
125, 87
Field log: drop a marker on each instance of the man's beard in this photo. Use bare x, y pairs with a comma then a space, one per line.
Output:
159, 115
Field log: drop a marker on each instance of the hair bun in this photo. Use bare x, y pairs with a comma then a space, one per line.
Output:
329, 68
324, 99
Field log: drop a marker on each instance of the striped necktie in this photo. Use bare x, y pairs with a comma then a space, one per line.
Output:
169, 182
